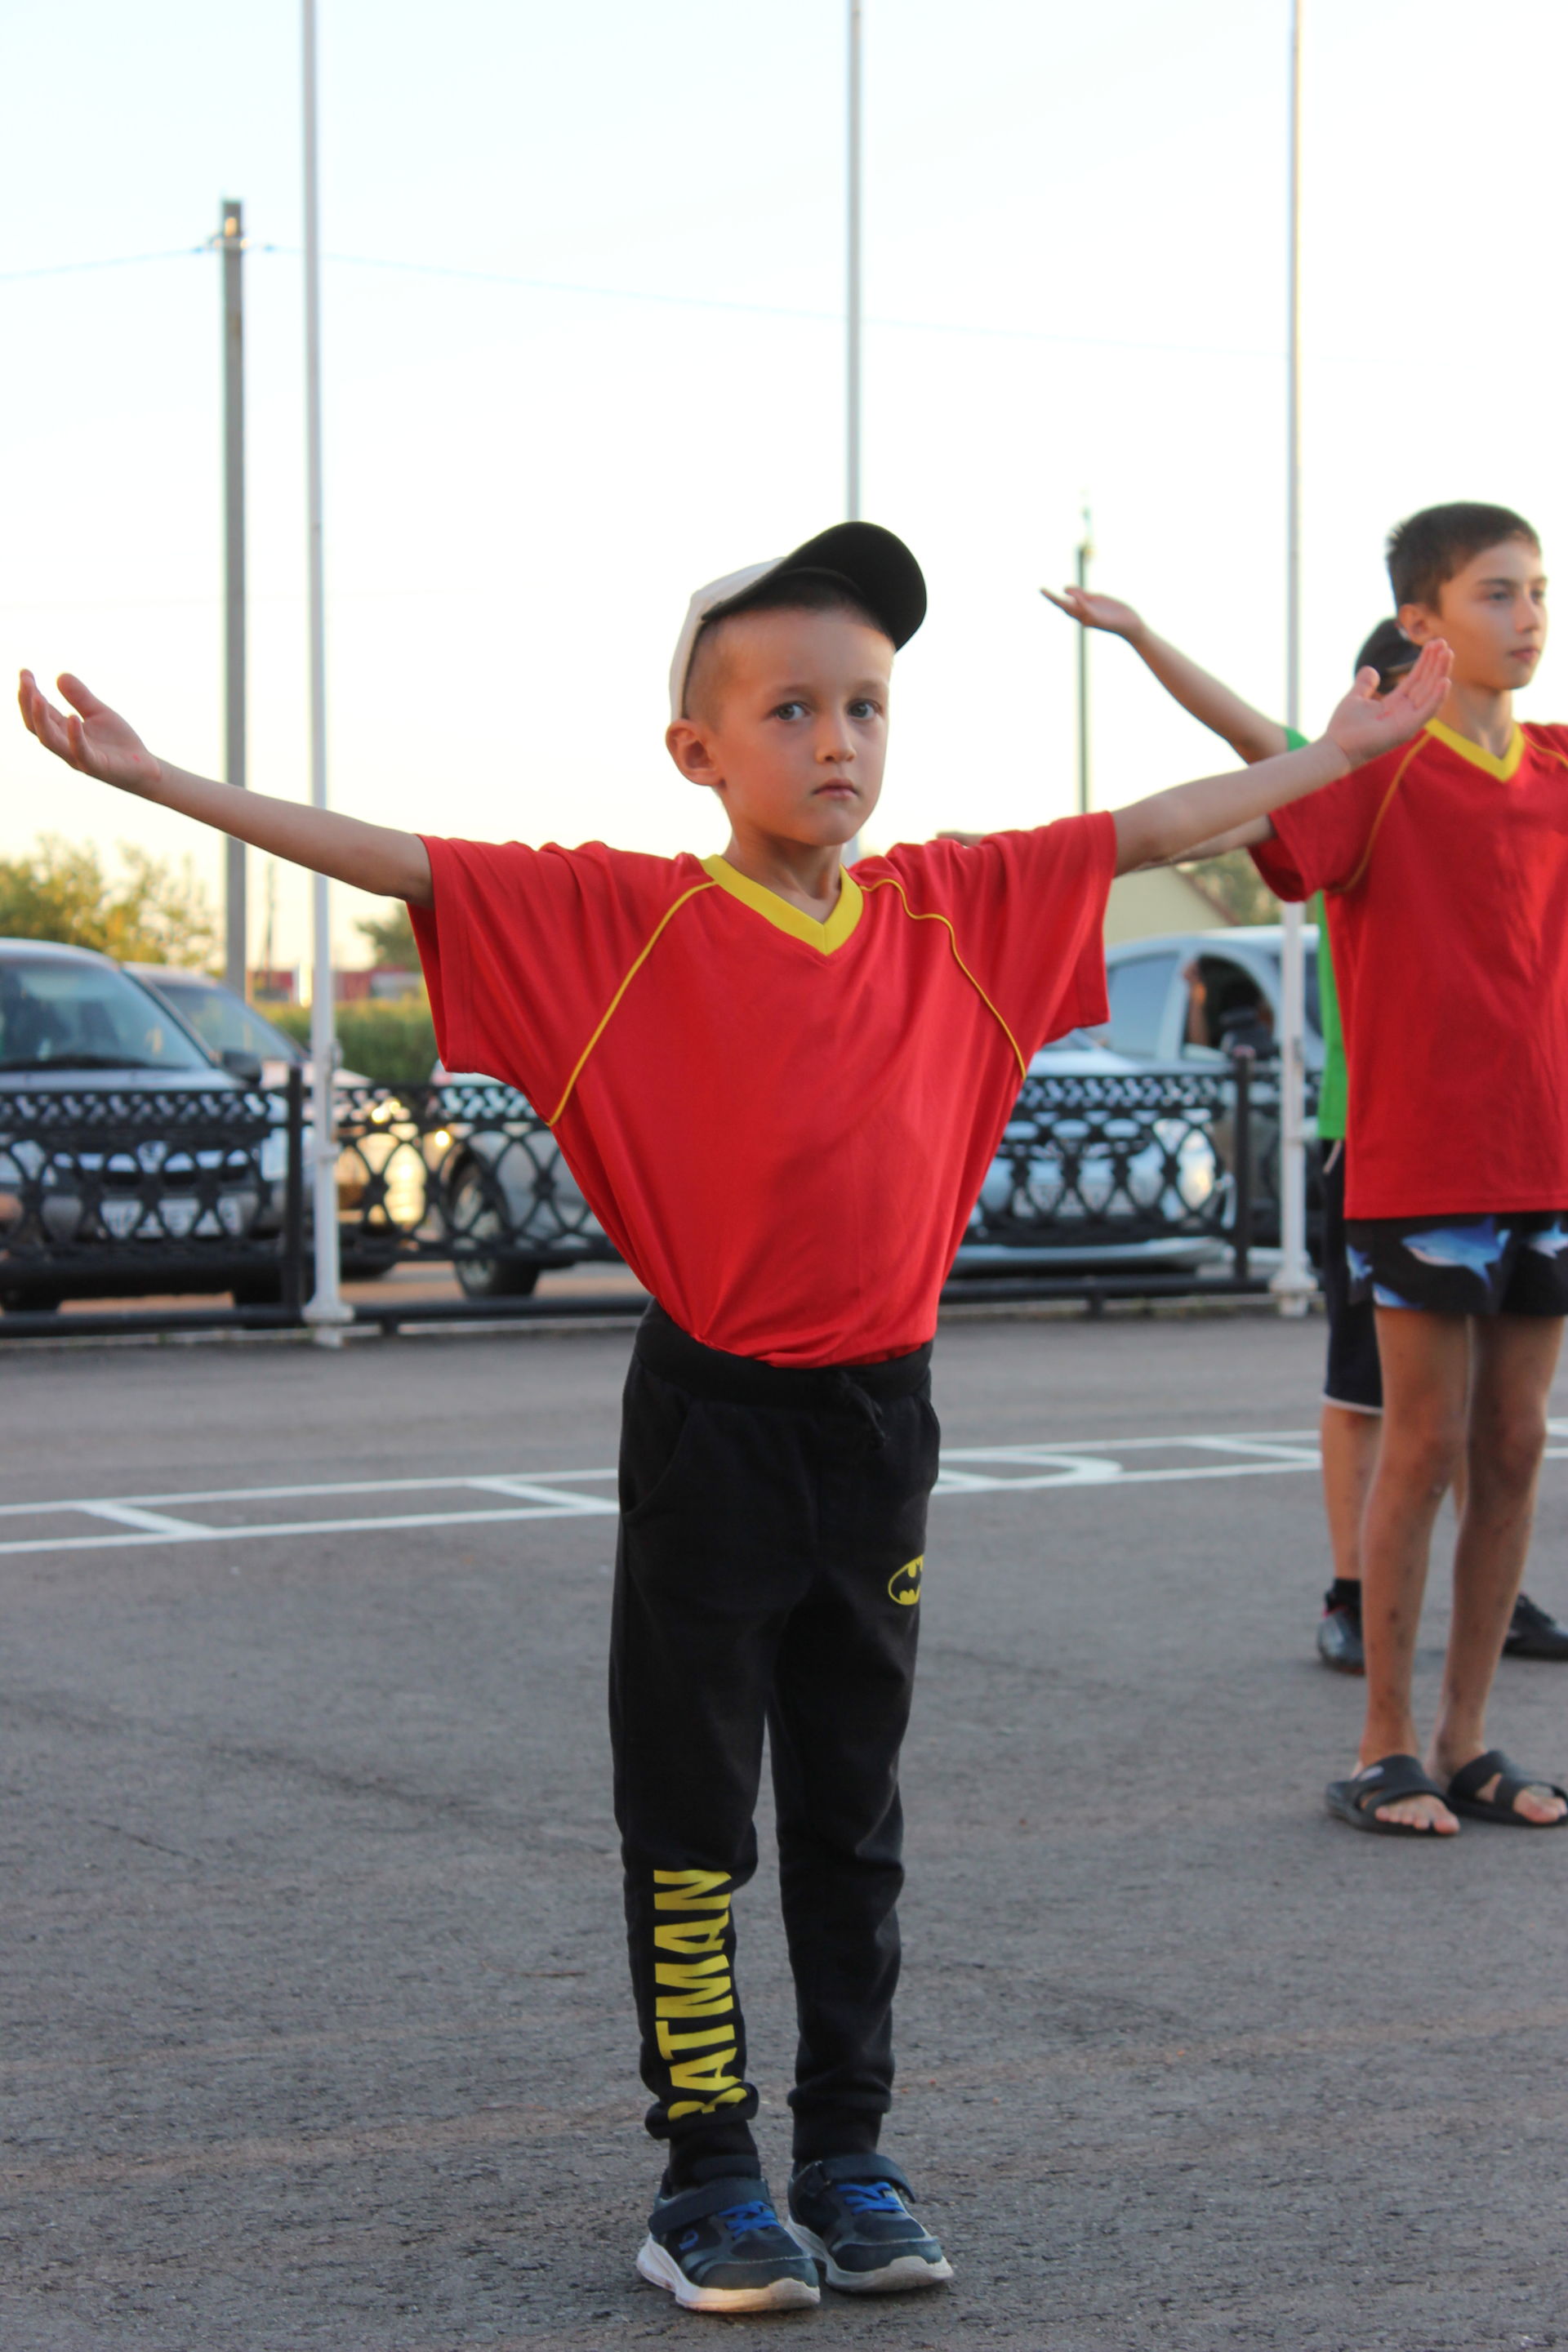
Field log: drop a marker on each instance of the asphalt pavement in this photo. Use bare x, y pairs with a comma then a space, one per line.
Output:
315, 2030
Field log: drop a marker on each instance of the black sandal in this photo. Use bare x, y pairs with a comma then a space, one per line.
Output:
1384, 1783
1463, 1792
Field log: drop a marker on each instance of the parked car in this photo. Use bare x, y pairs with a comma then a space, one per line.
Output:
222, 1019
513, 1190
74, 1025
1187, 999
1187, 996
1090, 1171
508, 1190
379, 1175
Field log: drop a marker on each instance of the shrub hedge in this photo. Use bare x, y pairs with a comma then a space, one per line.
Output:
391, 1045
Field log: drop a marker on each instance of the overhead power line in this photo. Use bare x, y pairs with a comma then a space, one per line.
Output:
115, 261
455, 271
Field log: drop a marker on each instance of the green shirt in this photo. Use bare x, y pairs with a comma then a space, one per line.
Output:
1333, 1086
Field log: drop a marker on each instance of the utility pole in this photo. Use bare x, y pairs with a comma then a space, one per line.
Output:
852, 278
230, 245
1293, 1284
1085, 556
325, 1309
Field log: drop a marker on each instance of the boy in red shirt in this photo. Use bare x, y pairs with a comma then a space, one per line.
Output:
780, 1085
1446, 869
1350, 1423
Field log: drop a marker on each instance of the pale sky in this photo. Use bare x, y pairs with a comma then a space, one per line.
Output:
1074, 269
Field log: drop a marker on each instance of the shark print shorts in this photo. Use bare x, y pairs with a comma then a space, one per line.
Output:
1514, 1262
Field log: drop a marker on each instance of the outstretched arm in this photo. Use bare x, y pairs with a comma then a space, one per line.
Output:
92, 736
1175, 823
1251, 735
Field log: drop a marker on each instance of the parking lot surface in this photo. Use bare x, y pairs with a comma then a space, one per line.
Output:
315, 2023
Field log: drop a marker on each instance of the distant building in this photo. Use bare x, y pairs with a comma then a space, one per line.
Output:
1161, 899
377, 983
278, 986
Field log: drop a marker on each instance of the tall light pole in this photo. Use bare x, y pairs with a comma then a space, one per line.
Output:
1085, 556
852, 297
1293, 1284
230, 244
852, 277
325, 1309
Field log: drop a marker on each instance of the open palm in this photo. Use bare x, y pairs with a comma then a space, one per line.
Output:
1095, 612
1366, 724
90, 736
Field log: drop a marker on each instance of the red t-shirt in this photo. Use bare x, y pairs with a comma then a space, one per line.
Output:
1447, 875
781, 1124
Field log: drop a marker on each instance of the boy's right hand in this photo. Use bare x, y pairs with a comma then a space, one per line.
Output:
98, 741
1366, 724
1097, 611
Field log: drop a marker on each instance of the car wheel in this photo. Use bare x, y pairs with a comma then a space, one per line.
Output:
474, 1214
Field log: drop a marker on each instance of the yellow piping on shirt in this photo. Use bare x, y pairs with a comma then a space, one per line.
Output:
883, 882
1339, 888
892, 882
632, 971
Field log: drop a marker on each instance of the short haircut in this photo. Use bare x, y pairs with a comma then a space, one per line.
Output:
1389, 652
783, 592
1430, 547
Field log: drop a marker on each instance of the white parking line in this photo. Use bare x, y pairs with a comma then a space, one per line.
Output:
134, 1522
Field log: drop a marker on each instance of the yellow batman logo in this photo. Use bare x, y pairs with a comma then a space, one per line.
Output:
905, 1587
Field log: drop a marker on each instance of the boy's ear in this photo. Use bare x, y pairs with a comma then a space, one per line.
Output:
688, 746
1419, 623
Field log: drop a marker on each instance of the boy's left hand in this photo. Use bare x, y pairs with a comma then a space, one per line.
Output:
1097, 612
1366, 725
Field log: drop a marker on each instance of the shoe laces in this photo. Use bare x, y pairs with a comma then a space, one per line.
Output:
749, 2220
871, 2197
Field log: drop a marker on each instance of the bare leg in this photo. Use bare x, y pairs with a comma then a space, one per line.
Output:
1348, 1442
1515, 1357
1426, 1379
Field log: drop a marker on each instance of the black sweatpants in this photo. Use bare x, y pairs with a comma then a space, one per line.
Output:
768, 1570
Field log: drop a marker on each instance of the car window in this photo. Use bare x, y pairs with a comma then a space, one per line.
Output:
1228, 1005
223, 1021
60, 1016
1138, 987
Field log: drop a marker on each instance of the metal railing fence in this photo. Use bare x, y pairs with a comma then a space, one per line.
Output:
105, 1195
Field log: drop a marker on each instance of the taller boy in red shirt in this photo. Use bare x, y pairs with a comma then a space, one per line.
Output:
1446, 866
780, 1085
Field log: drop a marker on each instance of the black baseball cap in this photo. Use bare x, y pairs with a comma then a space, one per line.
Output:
872, 562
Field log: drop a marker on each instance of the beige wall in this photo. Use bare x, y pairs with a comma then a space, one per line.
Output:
1163, 900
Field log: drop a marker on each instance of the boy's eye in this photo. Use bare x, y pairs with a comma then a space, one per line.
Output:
790, 710
863, 707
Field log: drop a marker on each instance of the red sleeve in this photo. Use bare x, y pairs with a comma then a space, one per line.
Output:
1320, 842
523, 950
1027, 911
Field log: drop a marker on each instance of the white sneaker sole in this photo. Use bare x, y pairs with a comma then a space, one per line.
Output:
661, 2269
903, 2276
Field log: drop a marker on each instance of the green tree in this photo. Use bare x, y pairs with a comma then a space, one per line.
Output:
151, 913
391, 938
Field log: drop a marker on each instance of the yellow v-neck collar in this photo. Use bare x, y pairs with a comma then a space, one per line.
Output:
823, 937
1504, 769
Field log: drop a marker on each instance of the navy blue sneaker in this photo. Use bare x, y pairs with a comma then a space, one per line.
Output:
721, 2247
850, 2212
